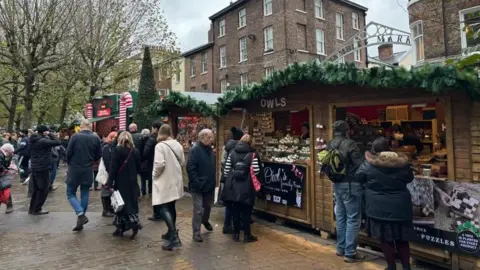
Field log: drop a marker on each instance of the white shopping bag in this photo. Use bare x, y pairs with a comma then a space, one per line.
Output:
102, 175
117, 201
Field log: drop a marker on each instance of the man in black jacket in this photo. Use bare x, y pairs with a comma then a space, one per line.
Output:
148, 157
83, 150
41, 144
201, 181
348, 194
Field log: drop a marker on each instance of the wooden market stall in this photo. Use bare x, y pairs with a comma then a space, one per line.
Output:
435, 105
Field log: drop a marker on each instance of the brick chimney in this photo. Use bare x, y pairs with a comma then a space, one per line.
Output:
385, 51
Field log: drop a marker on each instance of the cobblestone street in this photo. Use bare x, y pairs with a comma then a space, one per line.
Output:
47, 242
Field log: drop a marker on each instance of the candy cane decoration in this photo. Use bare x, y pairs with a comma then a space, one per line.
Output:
126, 101
89, 110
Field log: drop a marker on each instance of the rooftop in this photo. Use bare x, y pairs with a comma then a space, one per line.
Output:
197, 49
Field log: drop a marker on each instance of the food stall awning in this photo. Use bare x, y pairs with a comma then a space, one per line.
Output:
97, 119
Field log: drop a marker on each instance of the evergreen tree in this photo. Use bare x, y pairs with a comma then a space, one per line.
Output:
147, 94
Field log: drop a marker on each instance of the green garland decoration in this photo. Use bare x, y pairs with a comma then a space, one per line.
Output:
177, 99
435, 80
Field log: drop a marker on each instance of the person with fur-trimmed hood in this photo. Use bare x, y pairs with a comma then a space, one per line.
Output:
389, 211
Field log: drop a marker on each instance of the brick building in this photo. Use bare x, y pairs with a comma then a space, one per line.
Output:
250, 39
438, 29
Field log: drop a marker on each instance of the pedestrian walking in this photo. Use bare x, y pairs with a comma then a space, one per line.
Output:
24, 156
148, 158
388, 201
41, 144
6, 156
235, 136
201, 181
107, 149
57, 151
239, 188
348, 194
126, 166
83, 150
168, 182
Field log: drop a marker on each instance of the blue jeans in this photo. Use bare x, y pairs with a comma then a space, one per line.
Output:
53, 172
228, 216
348, 212
79, 207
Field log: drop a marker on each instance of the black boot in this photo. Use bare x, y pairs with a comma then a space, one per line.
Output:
172, 243
391, 267
236, 237
118, 232
106, 208
407, 267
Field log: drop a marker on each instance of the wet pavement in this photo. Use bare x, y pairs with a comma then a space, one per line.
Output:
47, 242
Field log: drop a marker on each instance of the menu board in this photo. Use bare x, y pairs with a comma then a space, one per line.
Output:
284, 183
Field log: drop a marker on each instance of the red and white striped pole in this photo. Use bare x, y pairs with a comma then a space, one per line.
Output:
126, 101
89, 111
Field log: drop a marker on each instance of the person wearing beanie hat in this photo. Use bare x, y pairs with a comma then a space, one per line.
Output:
348, 194
40, 148
237, 134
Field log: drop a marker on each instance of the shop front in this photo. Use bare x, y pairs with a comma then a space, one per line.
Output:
291, 115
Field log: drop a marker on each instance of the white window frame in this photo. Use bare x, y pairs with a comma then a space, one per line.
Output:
415, 57
223, 56
355, 21
193, 68
267, 7
204, 63
356, 54
223, 85
463, 34
268, 46
242, 42
221, 28
319, 9
177, 75
243, 79
339, 26
242, 18
320, 40
269, 71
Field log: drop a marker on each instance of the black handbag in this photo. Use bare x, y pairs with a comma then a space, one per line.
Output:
5, 181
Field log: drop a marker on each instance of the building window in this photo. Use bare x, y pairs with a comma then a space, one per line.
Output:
339, 25
355, 22
417, 34
221, 27
223, 57
204, 62
356, 53
320, 42
242, 18
268, 36
204, 87
223, 85
319, 9
267, 7
268, 71
302, 37
177, 75
243, 49
192, 88
301, 5
244, 79
470, 26
192, 67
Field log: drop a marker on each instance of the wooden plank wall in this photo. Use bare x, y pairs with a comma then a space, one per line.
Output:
224, 124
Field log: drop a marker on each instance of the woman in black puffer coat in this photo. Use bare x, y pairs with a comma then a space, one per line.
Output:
385, 175
239, 189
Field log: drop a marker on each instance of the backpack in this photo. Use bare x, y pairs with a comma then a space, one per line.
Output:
241, 169
333, 163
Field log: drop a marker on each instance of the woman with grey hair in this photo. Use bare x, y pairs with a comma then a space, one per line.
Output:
6, 156
145, 132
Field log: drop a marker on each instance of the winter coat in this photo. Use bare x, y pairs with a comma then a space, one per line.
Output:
139, 140
349, 149
107, 149
41, 151
242, 190
125, 179
83, 150
149, 152
385, 177
167, 184
226, 151
23, 147
201, 169
4, 163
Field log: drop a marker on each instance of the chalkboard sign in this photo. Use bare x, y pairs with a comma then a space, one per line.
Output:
284, 183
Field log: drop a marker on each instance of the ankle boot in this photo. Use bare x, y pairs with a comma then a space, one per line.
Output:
172, 243
106, 208
391, 267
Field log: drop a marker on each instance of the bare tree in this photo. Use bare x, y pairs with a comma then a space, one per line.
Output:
110, 31
32, 30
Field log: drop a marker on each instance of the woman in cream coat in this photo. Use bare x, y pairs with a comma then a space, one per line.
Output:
168, 182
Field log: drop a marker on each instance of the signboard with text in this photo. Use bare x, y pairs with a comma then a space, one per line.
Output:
284, 183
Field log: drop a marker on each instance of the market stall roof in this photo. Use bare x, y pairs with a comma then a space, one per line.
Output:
433, 79
97, 119
204, 103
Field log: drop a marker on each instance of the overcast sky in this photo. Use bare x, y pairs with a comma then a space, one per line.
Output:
189, 18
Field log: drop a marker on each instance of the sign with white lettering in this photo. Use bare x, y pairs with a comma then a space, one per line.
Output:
284, 183
273, 103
